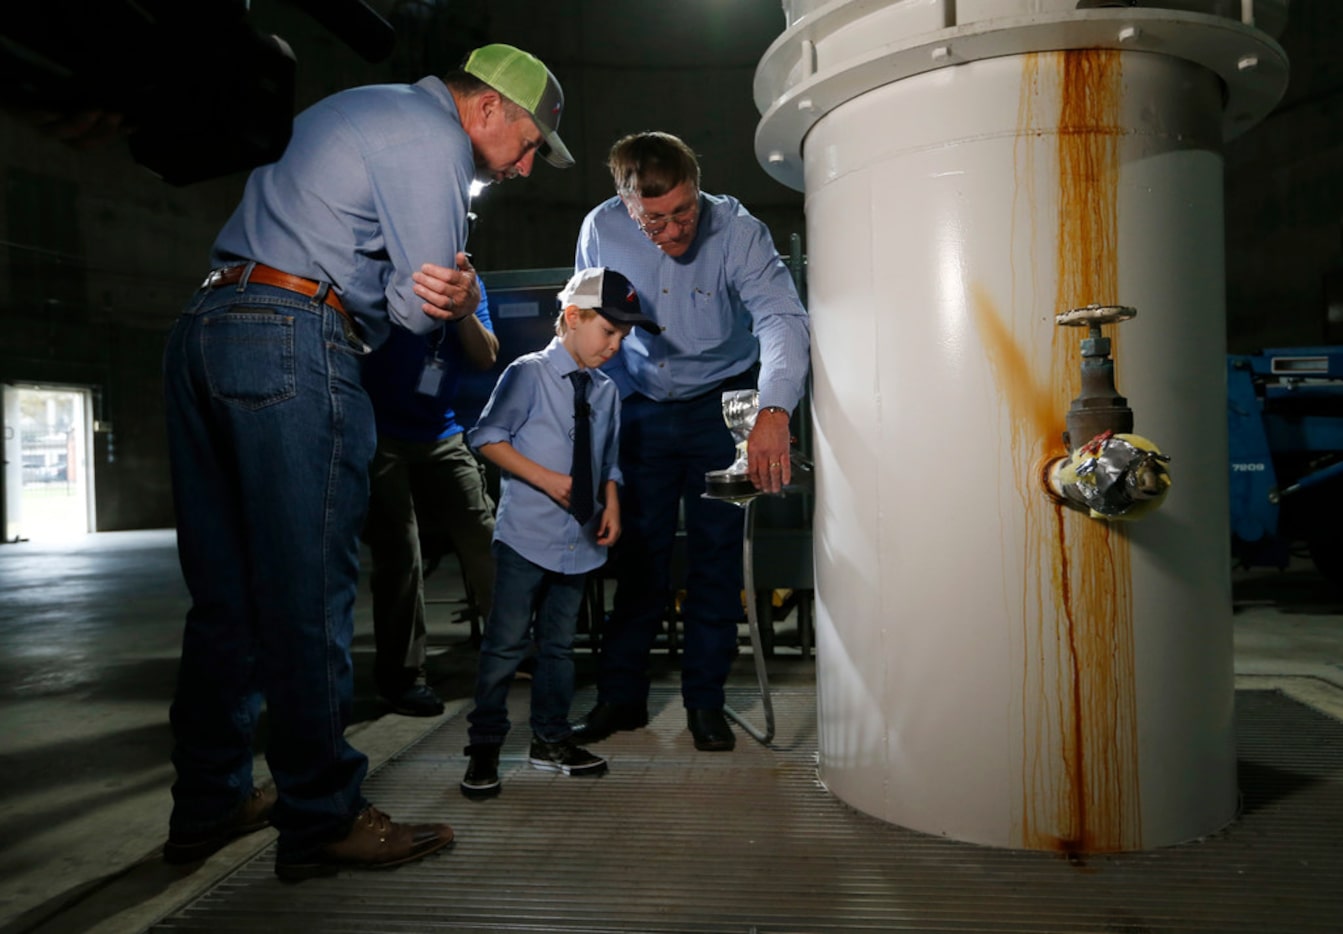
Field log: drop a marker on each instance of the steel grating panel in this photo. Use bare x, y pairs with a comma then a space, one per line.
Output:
674, 840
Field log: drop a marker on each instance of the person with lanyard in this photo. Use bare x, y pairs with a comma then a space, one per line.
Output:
708, 273
356, 229
426, 489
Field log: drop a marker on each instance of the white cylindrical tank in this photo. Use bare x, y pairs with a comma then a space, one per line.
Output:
993, 666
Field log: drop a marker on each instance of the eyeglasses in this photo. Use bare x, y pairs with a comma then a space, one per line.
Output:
654, 224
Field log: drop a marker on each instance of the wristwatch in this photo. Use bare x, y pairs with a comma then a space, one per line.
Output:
777, 408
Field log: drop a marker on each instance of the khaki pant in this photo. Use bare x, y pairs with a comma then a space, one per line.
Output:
424, 498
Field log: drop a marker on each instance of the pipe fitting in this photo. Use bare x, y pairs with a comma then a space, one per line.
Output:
1112, 476
1099, 407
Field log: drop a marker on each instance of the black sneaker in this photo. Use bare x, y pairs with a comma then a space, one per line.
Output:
482, 773
565, 757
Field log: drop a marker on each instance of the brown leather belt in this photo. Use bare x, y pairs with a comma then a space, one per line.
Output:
266, 275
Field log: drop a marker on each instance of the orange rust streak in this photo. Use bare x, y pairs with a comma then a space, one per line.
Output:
1081, 748
1074, 742
1027, 399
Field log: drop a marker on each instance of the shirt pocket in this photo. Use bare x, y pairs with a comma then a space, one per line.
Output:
710, 319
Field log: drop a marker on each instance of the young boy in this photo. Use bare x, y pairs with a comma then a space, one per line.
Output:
550, 531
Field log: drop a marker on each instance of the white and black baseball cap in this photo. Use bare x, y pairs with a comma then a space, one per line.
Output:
608, 293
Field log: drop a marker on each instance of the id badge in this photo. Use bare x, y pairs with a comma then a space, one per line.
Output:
431, 378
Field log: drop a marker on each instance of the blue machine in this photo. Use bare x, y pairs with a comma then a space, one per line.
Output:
1285, 411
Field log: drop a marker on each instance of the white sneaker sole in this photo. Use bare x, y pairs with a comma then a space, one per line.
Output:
546, 765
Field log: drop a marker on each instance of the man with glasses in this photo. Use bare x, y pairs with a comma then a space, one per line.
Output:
708, 273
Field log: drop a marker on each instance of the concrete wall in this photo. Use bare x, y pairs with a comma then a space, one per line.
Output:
98, 254
1285, 197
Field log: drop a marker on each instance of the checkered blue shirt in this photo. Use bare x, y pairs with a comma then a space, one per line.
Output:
724, 304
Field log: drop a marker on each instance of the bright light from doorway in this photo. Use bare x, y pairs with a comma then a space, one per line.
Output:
49, 473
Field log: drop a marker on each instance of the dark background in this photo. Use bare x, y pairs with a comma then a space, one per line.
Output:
98, 254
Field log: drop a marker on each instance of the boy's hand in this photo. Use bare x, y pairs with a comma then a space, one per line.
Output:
608, 531
557, 486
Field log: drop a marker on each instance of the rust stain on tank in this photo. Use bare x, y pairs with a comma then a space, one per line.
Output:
1030, 403
1080, 763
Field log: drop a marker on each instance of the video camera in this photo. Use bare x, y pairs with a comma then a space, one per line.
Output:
202, 93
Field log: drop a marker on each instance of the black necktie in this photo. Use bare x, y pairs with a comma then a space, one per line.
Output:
580, 492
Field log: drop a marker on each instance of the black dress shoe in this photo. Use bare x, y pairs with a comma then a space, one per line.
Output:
605, 719
710, 729
418, 700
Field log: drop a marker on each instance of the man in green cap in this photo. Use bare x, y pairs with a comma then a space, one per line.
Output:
359, 227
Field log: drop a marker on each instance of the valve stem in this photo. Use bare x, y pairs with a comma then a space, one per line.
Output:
1098, 407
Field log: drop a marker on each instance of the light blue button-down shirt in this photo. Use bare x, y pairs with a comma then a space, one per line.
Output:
728, 301
532, 408
375, 182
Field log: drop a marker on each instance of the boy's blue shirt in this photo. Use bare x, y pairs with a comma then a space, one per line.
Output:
532, 408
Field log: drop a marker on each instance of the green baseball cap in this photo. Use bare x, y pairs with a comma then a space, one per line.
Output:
526, 81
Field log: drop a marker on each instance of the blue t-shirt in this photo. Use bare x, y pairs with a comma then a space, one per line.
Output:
397, 374
532, 408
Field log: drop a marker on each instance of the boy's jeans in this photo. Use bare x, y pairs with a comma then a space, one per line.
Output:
522, 589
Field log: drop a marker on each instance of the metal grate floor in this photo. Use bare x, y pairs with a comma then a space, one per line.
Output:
673, 840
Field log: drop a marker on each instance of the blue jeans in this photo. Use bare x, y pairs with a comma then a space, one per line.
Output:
665, 450
270, 435
530, 603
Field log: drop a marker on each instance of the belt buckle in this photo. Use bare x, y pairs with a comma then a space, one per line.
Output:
213, 279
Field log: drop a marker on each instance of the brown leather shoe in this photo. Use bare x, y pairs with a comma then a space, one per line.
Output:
252, 815
374, 842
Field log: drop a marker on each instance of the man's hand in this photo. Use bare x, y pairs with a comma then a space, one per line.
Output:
449, 294
767, 462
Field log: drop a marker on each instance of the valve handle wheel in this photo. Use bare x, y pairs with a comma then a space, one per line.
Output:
1094, 315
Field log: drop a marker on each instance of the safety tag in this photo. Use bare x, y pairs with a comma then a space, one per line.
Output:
431, 378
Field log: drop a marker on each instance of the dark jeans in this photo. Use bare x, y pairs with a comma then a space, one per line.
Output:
270, 436
434, 489
665, 450
530, 604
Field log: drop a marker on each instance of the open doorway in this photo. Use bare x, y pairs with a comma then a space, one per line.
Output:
48, 471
